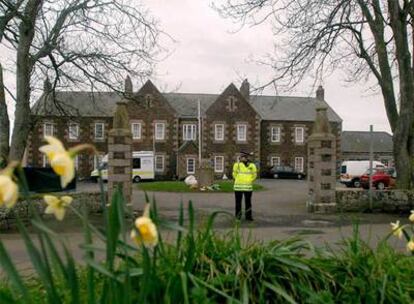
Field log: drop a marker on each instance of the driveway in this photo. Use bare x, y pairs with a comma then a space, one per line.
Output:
279, 212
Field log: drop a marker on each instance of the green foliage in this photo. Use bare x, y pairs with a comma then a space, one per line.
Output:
200, 266
180, 186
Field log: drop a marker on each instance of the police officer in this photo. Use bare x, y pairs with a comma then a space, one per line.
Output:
244, 174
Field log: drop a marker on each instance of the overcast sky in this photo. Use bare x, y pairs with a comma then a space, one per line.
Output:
208, 55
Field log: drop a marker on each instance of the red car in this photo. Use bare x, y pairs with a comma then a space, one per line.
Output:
381, 179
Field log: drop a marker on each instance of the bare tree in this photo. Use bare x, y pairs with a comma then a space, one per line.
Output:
77, 43
364, 37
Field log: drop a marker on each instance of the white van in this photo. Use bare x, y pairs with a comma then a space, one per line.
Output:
142, 167
351, 171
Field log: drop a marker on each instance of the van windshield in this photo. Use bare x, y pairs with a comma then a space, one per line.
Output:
343, 169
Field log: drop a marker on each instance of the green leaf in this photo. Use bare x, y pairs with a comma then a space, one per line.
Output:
15, 279
41, 267
212, 288
279, 291
184, 286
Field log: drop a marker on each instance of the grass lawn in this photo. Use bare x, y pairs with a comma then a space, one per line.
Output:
180, 186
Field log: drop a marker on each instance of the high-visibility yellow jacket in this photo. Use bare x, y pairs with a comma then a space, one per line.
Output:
244, 176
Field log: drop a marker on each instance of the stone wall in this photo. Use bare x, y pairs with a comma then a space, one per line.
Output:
92, 200
390, 201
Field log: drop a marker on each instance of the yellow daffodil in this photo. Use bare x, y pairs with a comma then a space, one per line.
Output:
146, 231
397, 229
9, 192
410, 246
56, 205
411, 217
61, 160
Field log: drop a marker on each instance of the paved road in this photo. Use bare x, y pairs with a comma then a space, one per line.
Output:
279, 213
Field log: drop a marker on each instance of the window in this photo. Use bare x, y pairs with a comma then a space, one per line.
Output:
136, 163
219, 132
159, 131
232, 103
48, 129
189, 132
148, 100
218, 163
99, 130
275, 134
241, 132
190, 165
136, 130
275, 161
159, 163
74, 131
299, 164
299, 134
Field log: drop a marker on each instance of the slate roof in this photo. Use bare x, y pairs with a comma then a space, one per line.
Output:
358, 142
103, 104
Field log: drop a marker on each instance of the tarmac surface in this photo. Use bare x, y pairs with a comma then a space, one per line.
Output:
279, 213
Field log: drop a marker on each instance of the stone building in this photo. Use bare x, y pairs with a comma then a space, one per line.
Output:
275, 128
355, 146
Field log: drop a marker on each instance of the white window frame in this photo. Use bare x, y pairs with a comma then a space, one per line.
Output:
216, 168
103, 130
275, 134
194, 165
189, 132
73, 135
159, 169
299, 134
299, 164
275, 161
136, 135
239, 137
161, 126
52, 129
216, 137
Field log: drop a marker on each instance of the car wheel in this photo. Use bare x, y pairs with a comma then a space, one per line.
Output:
299, 176
380, 186
136, 179
275, 176
356, 183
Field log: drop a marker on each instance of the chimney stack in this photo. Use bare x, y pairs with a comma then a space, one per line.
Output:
320, 93
128, 86
245, 89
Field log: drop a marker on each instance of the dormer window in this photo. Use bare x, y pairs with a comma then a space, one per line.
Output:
148, 100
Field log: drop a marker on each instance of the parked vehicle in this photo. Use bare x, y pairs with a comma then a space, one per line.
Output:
142, 167
381, 179
352, 170
285, 172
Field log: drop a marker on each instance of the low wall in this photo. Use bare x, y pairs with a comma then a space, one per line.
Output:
390, 201
92, 200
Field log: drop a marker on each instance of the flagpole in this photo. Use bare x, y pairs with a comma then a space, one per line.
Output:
199, 133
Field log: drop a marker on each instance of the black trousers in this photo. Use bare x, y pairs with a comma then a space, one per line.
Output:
248, 202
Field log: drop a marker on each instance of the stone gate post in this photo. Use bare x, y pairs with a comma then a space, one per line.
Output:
120, 154
321, 164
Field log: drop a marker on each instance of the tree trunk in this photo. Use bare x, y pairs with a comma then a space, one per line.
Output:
22, 114
4, 124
